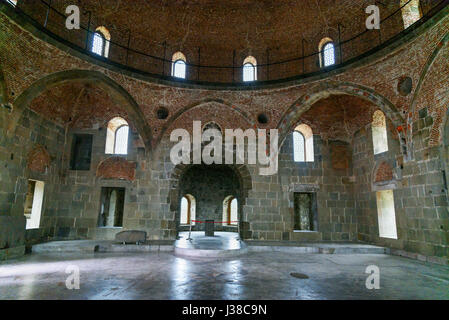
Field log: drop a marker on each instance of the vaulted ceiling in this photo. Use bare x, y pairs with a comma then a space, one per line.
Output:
77, 105
219, 27
338, 117
86, 106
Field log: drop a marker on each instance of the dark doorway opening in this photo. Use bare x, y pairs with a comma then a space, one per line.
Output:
112, 207
81, 152
305, 217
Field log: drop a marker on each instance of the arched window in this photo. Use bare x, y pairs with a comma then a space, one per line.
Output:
379, 128
299, 146
179, 65
303, 144
121, 140
250, 69
230, 211
410, 12
233, 212
101, 41
327, 52
187, 210
117, 136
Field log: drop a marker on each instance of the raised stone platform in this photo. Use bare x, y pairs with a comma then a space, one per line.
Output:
91, 246
315, 247
222, 244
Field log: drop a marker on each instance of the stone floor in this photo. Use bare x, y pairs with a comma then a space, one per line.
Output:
220, 241
256, 275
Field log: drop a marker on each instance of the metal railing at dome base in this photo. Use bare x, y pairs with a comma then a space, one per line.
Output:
347, 48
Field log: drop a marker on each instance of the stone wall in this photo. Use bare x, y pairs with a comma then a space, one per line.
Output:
342, 175
419, 194
16, 155
210, 185
333, 186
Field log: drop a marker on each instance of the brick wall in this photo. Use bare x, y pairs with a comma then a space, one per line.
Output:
205, 26
344, 184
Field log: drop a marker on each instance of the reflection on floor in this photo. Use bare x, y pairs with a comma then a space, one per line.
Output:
256, 275
222, 244
220, 241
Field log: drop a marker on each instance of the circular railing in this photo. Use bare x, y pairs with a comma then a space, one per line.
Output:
348, 49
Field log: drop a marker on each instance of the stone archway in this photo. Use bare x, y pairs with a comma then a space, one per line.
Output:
291, 117
241, 172
116, 92
242, 113
440, 123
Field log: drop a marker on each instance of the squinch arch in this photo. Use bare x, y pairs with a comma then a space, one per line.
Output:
179, 113
116, 92
291, 117
423, 77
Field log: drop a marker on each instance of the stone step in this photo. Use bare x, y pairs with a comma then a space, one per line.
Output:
206, 249
318, 248
305, 236
67, 246
210, 253
91, 246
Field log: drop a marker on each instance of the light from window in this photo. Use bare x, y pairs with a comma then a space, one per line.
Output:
379, 130
98, 44
386, 214
249, 72
299, 147
179, 69
33, 204
234, 210
121, 140
303, 144
184, 210
410, 12
328, 54
249, 69
13, 2
117, 136
230, 211
187, 210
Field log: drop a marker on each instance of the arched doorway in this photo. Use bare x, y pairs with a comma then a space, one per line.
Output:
211, 186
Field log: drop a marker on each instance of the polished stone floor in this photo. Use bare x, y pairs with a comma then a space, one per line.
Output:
220, 241
256, 275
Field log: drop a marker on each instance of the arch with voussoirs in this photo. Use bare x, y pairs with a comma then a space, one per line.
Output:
182, 186
114, 90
